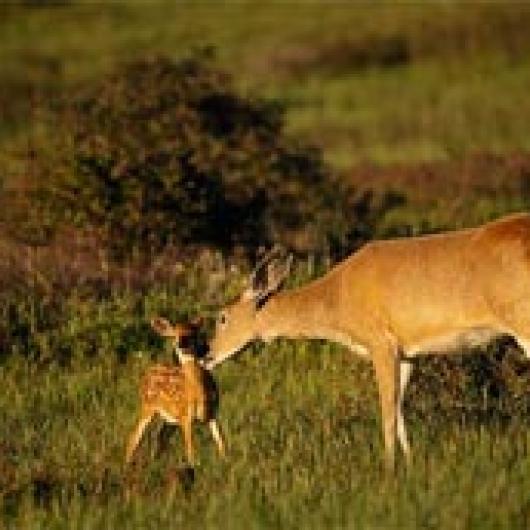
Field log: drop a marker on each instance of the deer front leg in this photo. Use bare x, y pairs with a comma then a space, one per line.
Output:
405, 371
217, 436
387, 375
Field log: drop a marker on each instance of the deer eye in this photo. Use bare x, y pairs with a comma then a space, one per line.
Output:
222, 319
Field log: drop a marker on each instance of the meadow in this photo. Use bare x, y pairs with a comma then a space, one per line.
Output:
420, 114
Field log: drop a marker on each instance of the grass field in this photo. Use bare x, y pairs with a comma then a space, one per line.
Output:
426, 100
304, 444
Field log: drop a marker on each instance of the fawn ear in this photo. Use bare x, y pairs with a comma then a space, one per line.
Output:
162, 326
197, 322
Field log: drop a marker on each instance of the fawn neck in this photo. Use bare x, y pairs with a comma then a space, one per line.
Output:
188, 362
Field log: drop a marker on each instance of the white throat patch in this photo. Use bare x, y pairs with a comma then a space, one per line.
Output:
183, 356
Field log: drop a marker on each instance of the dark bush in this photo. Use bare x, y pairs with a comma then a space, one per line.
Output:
489, 384
168, 152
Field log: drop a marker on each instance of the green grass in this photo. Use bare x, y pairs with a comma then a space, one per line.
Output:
440, 104
302, 424
423, 112
304, 450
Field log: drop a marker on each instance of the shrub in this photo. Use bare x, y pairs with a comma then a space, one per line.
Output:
166, 151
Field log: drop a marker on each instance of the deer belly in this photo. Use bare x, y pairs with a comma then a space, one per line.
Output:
453, 341
172, 410
168, 417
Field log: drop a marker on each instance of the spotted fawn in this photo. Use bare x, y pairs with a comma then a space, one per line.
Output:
178, 394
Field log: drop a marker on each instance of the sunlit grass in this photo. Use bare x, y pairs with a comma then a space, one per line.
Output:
302, 424
433, 107
419, 113
305, 449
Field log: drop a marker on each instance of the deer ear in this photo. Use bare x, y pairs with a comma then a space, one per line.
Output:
269, 275
162, 326
277, 272
197, 322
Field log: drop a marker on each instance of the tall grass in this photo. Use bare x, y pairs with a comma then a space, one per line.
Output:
302, 423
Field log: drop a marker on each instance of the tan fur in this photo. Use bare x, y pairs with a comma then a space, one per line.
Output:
178, 394
395, 299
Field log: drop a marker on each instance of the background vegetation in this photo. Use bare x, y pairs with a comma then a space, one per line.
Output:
147, 152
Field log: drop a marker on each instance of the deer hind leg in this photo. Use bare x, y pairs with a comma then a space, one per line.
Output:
524, 344
405, 371
217, 436
387, 373
137, 434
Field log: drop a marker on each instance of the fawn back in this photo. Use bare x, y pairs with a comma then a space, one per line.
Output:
174, 392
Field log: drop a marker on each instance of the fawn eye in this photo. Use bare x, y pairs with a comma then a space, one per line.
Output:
222, 319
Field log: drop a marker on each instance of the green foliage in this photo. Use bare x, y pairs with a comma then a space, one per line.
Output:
447, 97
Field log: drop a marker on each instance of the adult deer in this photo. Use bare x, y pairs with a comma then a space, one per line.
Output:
393, 300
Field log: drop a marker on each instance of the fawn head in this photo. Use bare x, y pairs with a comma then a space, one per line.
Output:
186, 338
236, 323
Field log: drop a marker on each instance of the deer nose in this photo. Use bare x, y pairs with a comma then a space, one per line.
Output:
209, 360
202, 350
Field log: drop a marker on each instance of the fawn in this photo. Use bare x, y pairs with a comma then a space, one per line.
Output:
179, 394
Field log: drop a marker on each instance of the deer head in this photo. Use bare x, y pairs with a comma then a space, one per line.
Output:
236, 323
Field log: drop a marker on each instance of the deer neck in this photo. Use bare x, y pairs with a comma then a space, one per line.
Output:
297, 313
310, 312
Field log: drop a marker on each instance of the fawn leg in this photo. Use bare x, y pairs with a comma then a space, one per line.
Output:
136, 435
217, 436
188, 440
